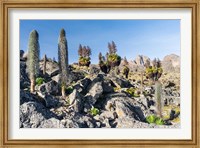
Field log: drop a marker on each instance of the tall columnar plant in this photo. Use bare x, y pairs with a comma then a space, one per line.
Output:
158, 97
153, 73
33, 58
63, 60
142, 72
84, 53
44, 64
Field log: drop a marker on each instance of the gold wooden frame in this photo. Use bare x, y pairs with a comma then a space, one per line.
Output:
193, 4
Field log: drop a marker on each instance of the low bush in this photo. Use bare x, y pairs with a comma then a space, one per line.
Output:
155, 119
151, 118
40, 81
133, 92
94, 111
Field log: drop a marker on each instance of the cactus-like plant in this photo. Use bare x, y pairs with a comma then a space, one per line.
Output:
153, 73
33, 58
63, 60
44, 64
158, 97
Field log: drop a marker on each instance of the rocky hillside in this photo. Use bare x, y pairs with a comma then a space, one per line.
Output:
95, 100
170, 63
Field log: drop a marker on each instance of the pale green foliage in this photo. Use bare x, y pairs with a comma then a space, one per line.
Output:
159, 121
33, 54
132, 92
63, 57
40, 81
94, 111
155, 119
151, 118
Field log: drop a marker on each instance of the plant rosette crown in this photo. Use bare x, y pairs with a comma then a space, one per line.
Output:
40, 81
84, 61
114, 60
94, 111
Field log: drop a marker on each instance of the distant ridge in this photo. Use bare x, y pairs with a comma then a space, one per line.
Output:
170, 63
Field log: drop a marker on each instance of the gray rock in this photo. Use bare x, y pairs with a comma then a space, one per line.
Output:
55, 72
94, 70
24, 79
32, 114
76, 75
124, 106
51, 123
85, 82
106, 124
86, 122
170, 84
78, 87
127, 122
94, 93
52, 68
50, 101
75, 100
51, 87
56, 78
171, 63
121, 82
81, 85
87, 105
98, 124
25, 96
25, 56
107, 86
71, 124
149, 90
110, 115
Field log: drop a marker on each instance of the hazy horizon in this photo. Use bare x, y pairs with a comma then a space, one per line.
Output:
152, 38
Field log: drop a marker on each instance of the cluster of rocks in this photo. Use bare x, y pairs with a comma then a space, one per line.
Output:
118, 109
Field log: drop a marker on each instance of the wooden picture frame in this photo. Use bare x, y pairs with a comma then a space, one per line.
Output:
4, 59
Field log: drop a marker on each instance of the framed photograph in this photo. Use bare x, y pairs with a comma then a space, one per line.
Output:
100, 73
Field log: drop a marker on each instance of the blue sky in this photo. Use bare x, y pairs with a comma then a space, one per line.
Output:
153, 38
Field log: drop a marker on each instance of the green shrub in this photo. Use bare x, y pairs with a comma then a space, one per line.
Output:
40, 81
159, 121
154, 119
136, 95
131, 91
94, 111
151, 118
